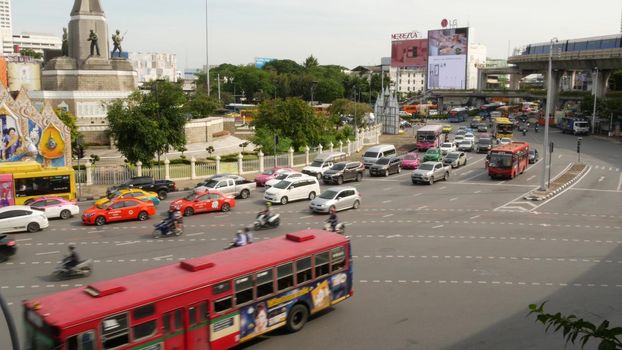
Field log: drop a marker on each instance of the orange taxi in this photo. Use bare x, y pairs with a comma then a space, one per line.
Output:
203, 202
118, 210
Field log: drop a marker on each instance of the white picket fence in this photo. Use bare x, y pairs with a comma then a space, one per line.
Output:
114, 174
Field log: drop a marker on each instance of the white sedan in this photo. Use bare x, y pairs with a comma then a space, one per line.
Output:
469, 136
505, 141
284, 176
55, 207
447, 147
19, 218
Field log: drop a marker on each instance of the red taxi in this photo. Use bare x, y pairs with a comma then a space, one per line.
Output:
118, 210
202, 202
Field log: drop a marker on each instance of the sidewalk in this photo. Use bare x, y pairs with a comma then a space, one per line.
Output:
612, 139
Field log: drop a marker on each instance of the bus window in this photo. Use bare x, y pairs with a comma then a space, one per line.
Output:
166, 323
285, 276
303, 270
265, 283
144, 330
223, 304
115, 331
179, 319
221, 287
321, 264
143, 311
243, 290
40, 186
192, 315
83, 341
337, 259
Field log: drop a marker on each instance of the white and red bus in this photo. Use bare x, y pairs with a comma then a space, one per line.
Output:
507, 161
212, 302
429, 136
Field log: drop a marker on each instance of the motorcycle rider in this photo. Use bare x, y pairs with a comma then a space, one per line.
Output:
240, 239
332, 219
249, 235
73, 259
266, 213
174, 218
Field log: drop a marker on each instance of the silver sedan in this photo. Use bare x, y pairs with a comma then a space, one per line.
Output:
340, 198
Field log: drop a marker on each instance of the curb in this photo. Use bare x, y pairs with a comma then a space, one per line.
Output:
536, 198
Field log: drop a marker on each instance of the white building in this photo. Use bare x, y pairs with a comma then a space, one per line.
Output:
37, 41
410, 79
476, 60
6, 27
152, 66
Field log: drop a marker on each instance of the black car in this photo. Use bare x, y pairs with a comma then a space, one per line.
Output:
483, 145
344, 171
386, 166
8, 247
147, 183
533, 156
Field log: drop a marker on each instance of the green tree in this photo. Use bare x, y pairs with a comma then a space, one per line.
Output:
264, 138
146, 124
199, 105
574, 328
76, 138
30, 53
311, 62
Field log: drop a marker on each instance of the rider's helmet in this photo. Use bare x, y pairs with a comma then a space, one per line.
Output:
268, 204
72, 247
333, 210
246, 229
239, 232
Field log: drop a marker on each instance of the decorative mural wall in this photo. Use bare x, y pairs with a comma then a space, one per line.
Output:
30, 135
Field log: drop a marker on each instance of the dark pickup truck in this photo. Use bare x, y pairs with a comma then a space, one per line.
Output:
147, 183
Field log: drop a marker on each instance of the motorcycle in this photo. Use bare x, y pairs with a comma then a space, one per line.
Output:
167, 228
524, 132
340, 228
261, 221
83, 269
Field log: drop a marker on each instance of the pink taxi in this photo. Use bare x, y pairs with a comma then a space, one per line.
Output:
410, 161
270, 174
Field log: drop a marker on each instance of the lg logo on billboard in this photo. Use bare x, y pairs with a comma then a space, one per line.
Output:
445, 23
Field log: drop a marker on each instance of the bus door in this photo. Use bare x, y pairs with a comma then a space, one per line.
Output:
198, 327
173, 329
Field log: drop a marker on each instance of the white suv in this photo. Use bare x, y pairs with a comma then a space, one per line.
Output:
290, 190
19, 218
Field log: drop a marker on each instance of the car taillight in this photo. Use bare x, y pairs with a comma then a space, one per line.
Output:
11, 243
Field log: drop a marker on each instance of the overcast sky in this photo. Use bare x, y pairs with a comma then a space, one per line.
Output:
344, 32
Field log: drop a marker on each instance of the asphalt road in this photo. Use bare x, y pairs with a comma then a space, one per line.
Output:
448, 266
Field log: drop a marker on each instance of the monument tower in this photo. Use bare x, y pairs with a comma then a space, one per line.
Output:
86, 78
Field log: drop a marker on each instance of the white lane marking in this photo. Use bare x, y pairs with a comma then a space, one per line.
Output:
422, 207
473, 217
95, 231
564, 190
48, 253
306, 217
559, 156
620, 183
419, 194
601, 179
163, 257
594, 190
23, 239
195, 234
467, 173
387, 189
388, 215
128, 243
387, 201
442, 188
531, 177
453, 199
438, 226
476, 192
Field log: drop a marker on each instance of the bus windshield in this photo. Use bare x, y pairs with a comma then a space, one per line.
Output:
501, 160
36, 339
426, 137
503, 128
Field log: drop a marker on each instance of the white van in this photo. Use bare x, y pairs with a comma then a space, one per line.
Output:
323, 162
376, 152
285, 191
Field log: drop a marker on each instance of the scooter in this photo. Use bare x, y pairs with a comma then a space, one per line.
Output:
83, 269
340, 228
167, 228
261, 221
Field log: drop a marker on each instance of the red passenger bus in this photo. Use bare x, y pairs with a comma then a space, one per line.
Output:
212, 302
507, 161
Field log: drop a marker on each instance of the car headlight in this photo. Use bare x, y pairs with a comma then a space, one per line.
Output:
88, 215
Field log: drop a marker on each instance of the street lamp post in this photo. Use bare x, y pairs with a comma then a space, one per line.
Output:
207, 49
355, 103
595, 89
549, 103
313, 85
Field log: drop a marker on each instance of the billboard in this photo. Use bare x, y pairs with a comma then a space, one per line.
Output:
409, 53
261, 61
24, 75
447, 58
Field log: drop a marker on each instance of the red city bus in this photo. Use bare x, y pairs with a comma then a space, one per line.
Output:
507, 161
212, 302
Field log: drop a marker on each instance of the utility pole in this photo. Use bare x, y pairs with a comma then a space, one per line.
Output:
207, 48
595, 89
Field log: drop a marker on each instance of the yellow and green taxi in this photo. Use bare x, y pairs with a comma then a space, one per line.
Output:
130, 193
447, 128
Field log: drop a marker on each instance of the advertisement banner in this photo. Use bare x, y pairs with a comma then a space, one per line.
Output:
24, 75
409, 53
447, 60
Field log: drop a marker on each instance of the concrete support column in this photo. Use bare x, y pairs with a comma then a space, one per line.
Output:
290, 157
217, 164
240, 159
307, 149
602, 83
139, 168
515, 81
167, 169
193, 168
261, 164
557, 75
481, 80
89, 172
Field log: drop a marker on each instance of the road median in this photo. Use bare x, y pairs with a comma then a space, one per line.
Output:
566, 178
